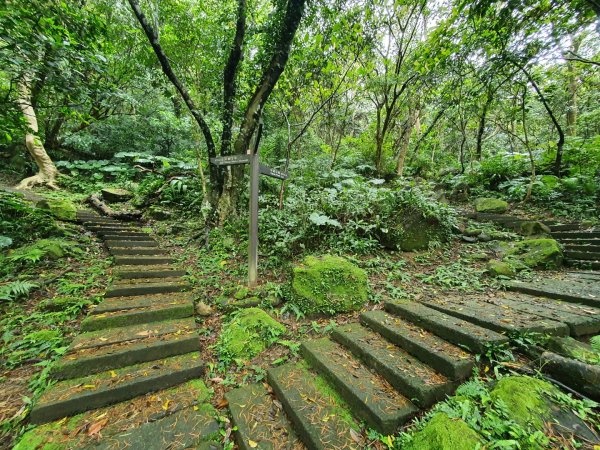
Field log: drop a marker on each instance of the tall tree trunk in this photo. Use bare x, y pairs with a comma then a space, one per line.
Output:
47, 170
571, 128
405, 141
482, 119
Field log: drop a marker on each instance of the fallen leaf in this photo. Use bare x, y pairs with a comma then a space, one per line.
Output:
89, 386
165, 405
252, 444
113, 374
355, 436
222, 404
96, 427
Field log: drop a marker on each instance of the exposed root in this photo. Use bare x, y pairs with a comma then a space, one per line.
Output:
37, 180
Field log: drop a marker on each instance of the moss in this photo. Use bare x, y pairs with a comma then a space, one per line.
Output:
525, 398
248, 333
443, 433
62, 303
490, 205
60, 208
329, 285
499, 268
572, 348
35, 440
537, 253
595, 342
533, 228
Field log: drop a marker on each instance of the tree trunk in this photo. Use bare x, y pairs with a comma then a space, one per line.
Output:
481, 130
571, 129
405, 142
47, 170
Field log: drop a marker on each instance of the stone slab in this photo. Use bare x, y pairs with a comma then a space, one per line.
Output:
584, 378
161, 287
123, 243
582, 248
157, 271
117, 251
450, 328
260, 420
582, 256
409, 376
448, 359
576, 234
581, 241
128, 237
141, 301
584, 264
142, 260
70, 397
565, 227
583, 291
318, 417
370, 396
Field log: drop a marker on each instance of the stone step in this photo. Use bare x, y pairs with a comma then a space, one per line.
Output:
582, 320
587, 264
101, 223
576, 234
259, 419
370, 396
587, 275
320, 421
585, 292
126, 251
136, 310
450, 328
497, 318
128, 237
126, 346
160, 287
582, 248
125, 232
583, 256
142, 260
70, 397
123, 243
157, 271
446, 358
581, 241
566, 227
141, 301
414, 379
111, 227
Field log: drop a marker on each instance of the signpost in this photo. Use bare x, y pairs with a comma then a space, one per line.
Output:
256, 169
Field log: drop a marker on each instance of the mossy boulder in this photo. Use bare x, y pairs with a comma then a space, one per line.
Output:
61, 209
52, 249
533, 228
526, 399
329, 285
572, 348
248, 332
490, 205
544, 253
444, 433
114, 195
158, 213
412, 232
500, 269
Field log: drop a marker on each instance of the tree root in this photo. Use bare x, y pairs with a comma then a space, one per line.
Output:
37, 180
95, 200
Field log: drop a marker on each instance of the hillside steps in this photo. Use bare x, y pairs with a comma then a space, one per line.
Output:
141, 338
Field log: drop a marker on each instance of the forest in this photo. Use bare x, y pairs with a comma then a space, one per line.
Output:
428, 224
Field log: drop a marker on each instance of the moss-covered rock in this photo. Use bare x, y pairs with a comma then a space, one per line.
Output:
444, 433
490, 205
526, 399
249, 332
412, 232
158, 213
114, 195
61, 209
544, 253
329, 285
500, 269
533, 228
44, 248
572, 348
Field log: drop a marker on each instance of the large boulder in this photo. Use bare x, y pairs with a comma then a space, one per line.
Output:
574, 349
61, 209
500, 269
532, 228
542, 253
490, 205
444, 433
329, 285
248, 332
412, 232
114, 195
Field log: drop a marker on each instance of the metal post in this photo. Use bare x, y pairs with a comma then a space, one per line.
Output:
253, 231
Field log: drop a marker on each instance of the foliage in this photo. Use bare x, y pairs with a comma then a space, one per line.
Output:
15, 290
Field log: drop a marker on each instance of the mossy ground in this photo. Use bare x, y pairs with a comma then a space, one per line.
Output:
444, 433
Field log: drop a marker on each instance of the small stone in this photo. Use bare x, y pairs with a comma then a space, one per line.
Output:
484, 237
114, 195
204, 310
469, 239
472, 232
479, 256
500, 269
490, 205
158, 213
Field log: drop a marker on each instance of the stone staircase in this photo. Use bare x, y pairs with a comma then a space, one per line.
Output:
141, 338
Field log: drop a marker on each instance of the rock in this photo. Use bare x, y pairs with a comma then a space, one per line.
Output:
411, 231
500, 269
478, 256
572, 348
469, 239
533, 253
203, 310
158, 213
242, 293
490, 205
533, 228
61, 209
443, 433
484, 237
582, 377
472, 232
114, 195
249, 332
329, 285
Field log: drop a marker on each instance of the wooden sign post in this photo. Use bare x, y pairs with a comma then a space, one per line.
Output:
256, 169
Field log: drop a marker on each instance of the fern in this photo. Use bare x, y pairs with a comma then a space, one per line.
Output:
15, 290
595, 342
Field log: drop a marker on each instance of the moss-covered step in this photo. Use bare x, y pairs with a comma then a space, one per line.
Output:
320, 418
108, 228
582, 255
142, 260
414, 379
124, 314
584, 275
70, 397
117, 251
450, 328
370, 396
160, 287
583, 291
124, 244
152, 342
502, 319
128, 237
582, 248
565, 227
582, 377
576, 234
141, 301
446, 358
117, 419
120, 232
581, 241
581, 320
259, 420
156, 271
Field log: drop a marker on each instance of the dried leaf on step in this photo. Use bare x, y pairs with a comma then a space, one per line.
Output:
252, 443
355, 436
222, 404
96, 427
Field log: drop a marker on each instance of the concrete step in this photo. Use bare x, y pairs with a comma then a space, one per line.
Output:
156, 271
409, 376
70, 397
95, 352
124, 244
127, 251
450, 328
566, 227
576, 234
582, 256
446, 358
128, 237
160, 287
587, 264
126, 311
580, 241
586, 292
113, 227
371, 398
318, 417
582, 248
497, 318
258, 418
132, 260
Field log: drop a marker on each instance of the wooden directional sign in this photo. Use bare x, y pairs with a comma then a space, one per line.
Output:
256, 169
